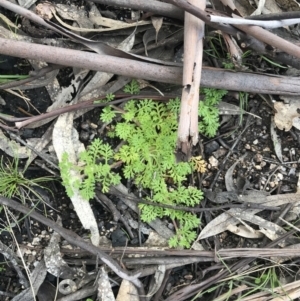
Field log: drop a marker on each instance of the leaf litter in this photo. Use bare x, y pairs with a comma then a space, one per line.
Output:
247, 223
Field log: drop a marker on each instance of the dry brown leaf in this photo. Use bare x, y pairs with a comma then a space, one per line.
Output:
157, 23
287, 115
222, 221
127, 292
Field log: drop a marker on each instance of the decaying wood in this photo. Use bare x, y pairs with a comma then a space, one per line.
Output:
193, 54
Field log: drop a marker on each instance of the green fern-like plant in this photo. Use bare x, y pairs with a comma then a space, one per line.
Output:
209, 112
94, 168
150, 131
132, 88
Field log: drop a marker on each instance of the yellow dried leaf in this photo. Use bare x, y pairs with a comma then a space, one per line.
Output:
199, 164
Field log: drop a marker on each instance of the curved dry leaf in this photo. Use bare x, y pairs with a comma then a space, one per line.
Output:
87, 24
70, 12
229, 175
152, 35
221, 222
273, 230
157, 24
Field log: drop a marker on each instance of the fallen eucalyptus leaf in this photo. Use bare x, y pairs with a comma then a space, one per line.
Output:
54, 262
127, 292
221, 222
104, 288
65, 140
157, 24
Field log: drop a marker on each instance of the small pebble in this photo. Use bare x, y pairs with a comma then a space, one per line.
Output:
36, 241
213, 161
280, 176
85, 125
211, 147
93, 125
84, 136
258, 158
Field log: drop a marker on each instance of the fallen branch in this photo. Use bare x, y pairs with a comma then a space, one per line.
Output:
211, 77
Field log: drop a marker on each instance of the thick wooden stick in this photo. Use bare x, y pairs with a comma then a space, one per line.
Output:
211, 77
193, 53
